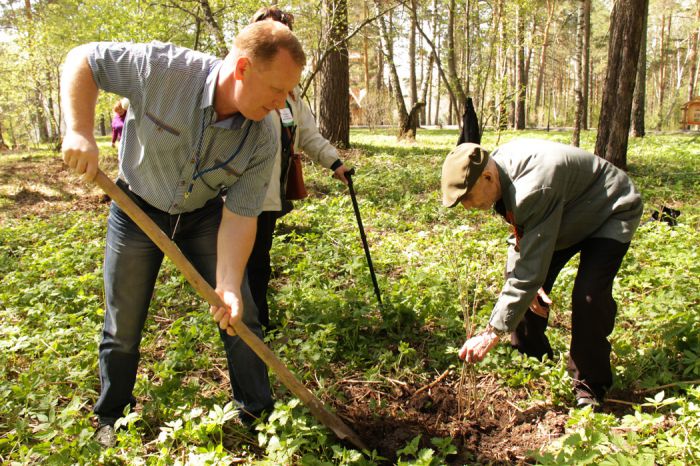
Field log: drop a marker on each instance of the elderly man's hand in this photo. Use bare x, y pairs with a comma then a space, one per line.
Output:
80, 153
227, 316
475, 349
540, 305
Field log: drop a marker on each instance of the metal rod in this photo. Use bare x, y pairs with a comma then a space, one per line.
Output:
348, 175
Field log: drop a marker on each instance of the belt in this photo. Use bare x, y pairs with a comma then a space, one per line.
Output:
216, 200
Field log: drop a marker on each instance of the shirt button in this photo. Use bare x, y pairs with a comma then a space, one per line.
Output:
191, 160
182, 183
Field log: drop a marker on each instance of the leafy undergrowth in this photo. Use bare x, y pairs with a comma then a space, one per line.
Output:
390, 372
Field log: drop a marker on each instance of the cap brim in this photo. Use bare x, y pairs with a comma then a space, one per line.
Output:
449, 202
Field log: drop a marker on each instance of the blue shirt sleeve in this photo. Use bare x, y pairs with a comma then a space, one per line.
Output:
119, 68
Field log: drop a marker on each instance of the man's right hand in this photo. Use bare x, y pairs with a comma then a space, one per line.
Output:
80, 154
226, 317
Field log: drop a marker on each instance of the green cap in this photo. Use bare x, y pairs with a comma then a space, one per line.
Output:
461, 170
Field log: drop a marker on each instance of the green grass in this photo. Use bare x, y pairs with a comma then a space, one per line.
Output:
425, 257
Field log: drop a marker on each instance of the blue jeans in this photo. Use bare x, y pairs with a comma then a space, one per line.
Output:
132, 262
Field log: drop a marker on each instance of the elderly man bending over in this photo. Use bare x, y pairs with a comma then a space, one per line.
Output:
560, 201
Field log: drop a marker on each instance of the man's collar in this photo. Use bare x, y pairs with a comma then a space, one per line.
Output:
233, 122
506, 185
210, 85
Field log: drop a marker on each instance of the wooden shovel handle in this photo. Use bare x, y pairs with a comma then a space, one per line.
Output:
171, 250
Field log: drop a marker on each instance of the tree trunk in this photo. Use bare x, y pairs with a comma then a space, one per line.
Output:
365, 48
40, 116
495, 20
412, 86
586, 63
501, 110
54, 120
543, 54
662, 69
468, 48
215, 28
334, 103
455, 83
436, 117
446, 80
197, 32
578, 73
693, 57
640, 87
379, 78
427, 81
3, 146
407, 121
520, 77
623, 54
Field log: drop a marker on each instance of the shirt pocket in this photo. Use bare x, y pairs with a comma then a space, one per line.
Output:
161, 125
222, 177
159, 135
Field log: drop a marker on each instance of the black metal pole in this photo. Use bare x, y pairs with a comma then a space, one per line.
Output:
348, 175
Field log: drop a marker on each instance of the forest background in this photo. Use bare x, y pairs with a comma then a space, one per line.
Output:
525, 63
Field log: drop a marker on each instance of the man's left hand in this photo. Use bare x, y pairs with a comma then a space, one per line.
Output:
475, 349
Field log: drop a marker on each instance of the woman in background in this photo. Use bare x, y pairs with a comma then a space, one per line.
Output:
119, 109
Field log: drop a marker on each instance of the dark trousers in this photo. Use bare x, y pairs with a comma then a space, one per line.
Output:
131, 265
593, 311
259, 268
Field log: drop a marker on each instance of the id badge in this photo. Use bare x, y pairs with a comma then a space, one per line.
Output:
286, 117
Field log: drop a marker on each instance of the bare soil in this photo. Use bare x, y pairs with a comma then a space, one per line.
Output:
43, 186
487, 424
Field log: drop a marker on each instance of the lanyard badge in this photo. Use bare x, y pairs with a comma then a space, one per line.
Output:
286, 117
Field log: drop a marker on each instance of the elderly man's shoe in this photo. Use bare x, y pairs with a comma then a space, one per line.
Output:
105, 436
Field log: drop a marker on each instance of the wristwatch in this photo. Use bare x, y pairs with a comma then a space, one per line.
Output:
499, 333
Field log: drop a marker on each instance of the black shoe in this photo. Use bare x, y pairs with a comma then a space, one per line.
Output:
105, 436
251, 419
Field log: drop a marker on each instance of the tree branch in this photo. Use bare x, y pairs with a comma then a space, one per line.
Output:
329, 49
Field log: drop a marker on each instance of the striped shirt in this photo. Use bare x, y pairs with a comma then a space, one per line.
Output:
173, 153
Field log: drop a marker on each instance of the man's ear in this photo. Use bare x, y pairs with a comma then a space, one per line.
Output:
242, 66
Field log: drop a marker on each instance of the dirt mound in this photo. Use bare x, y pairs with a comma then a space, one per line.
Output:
486, 424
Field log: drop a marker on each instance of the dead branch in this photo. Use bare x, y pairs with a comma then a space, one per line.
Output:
433, 383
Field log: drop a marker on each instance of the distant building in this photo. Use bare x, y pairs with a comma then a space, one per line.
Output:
691, 113
357, 96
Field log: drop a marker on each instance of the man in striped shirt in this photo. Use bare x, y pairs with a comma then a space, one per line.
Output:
196, 126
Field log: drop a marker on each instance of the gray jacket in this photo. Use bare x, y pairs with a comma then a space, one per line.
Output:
557, 196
